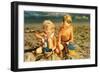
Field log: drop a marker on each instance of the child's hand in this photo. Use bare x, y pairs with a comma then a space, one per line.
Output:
61, 47
42, 40
39, 50
57, 51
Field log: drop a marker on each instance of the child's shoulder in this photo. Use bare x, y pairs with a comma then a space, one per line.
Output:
71, 27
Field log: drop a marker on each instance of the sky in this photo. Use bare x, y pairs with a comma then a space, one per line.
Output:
38, 17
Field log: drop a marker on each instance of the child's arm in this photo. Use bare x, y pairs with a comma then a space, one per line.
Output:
54, 43
72, 37
59, 38
60, 33
38, 35
60, 47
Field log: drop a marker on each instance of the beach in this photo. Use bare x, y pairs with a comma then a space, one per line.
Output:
81, 38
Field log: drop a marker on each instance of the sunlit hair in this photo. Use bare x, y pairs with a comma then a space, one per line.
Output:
48, 23
67, 18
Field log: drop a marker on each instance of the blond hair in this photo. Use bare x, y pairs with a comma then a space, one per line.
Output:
48, 23
67, 18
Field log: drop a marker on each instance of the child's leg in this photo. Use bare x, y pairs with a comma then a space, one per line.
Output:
65, 51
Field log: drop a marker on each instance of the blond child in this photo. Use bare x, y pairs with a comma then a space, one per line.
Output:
48, 37
65, 38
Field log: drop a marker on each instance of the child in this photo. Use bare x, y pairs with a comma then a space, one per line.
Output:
47, 37
65, 37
